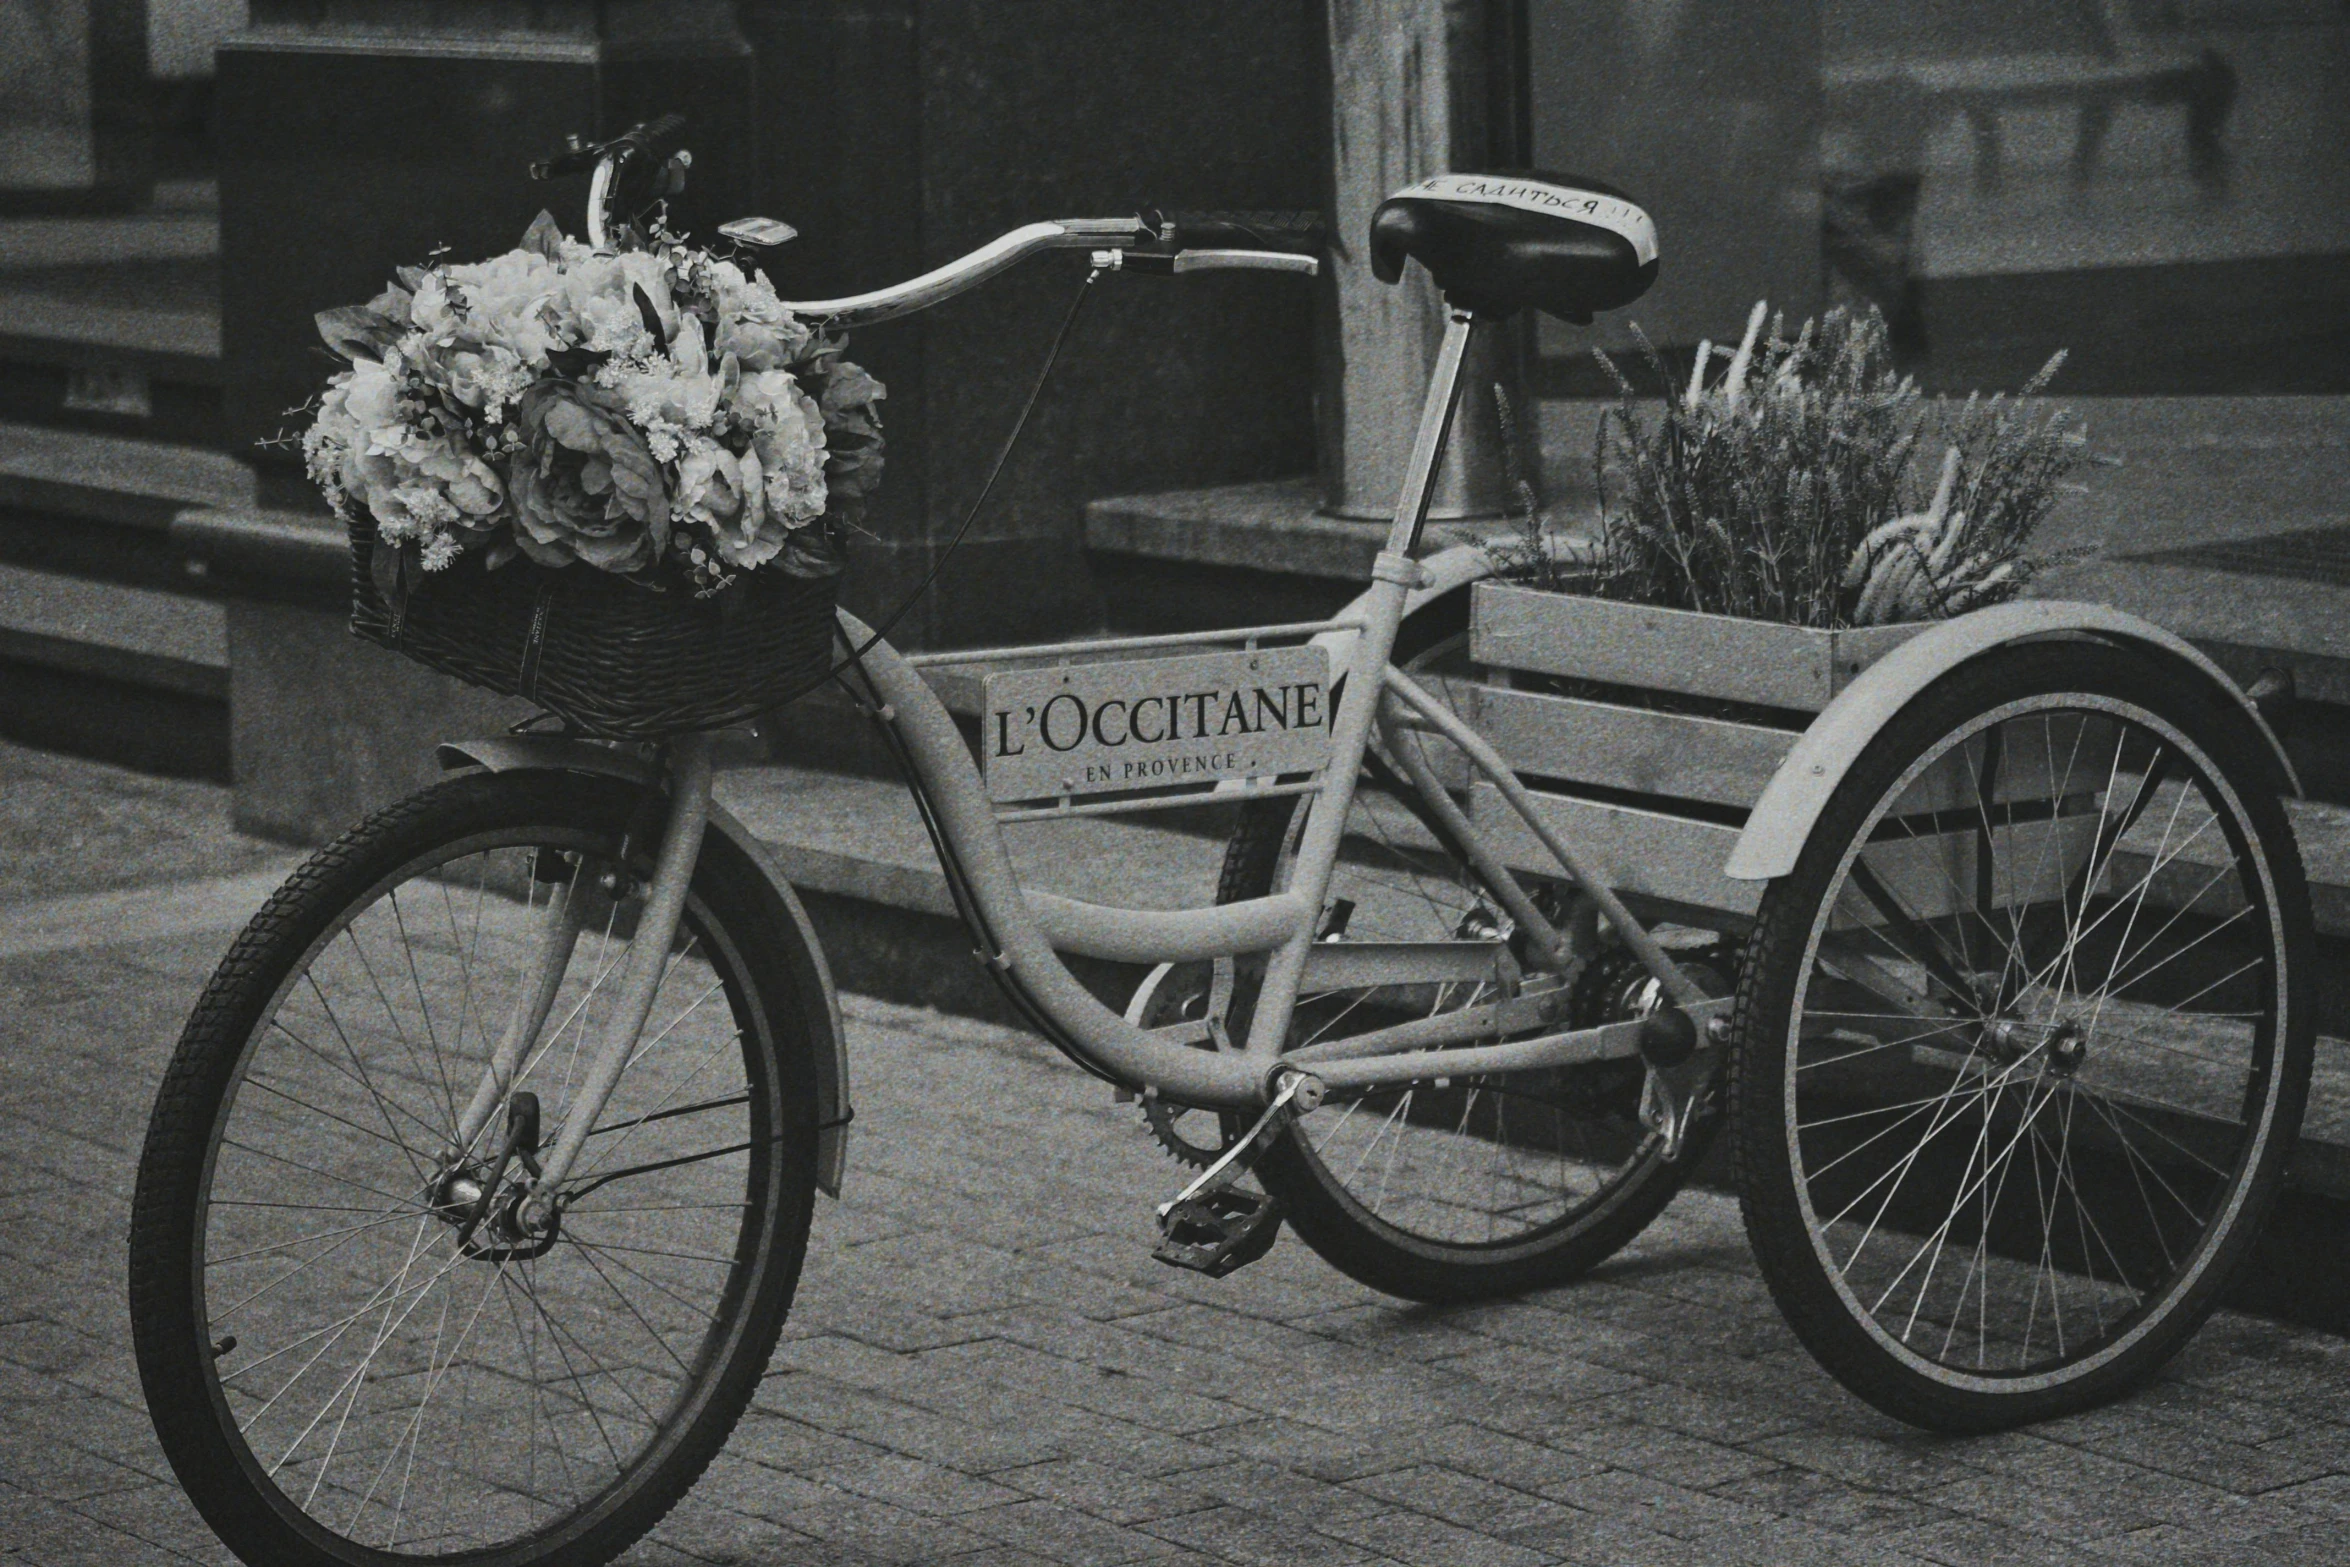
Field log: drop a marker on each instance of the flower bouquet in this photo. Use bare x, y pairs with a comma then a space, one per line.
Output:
613, 483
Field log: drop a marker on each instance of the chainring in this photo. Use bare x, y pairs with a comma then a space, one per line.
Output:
1614, 988
1184, 993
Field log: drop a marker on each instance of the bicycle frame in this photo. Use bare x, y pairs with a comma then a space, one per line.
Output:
1022, 933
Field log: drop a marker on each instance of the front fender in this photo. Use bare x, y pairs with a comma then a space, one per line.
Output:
812, 977
1791, 803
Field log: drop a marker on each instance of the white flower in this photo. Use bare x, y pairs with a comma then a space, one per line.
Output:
371, 397
508, 302
487, 378
678, 390
723, 492
787, 431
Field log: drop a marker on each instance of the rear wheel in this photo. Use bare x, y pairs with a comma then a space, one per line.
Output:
349, 1355
1461, 1188
2025, 1038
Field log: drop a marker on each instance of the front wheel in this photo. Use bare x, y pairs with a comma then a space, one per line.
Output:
2024, 1038
354, 1350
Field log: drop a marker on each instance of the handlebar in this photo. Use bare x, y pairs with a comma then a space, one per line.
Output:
1150, 242
641, 164
1299, 232
649, 159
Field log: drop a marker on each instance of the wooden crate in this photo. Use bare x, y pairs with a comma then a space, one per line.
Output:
1656, 798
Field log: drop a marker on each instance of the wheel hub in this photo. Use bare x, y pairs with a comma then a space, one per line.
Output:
2061, 1043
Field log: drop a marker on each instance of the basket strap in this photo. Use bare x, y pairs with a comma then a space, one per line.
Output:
534, 646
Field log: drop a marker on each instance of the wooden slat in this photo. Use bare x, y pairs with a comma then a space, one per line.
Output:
1669, 857
1671, 650
1631, 748
1934, 877
2068, 757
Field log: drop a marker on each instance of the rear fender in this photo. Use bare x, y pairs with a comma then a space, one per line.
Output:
812, 978
1791, 803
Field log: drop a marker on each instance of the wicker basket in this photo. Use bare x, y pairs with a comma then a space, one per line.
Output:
614, 660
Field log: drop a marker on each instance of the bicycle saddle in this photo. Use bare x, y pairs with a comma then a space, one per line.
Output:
1496, 243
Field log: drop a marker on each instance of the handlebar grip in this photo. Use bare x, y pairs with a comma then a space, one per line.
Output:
1302, 231
648, 144
578, 156
656, 139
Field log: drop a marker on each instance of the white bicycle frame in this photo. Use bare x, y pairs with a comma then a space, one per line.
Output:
1023, 932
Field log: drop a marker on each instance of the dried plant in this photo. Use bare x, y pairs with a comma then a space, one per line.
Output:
1788, 488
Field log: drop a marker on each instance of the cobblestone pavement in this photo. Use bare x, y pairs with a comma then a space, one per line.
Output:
985, 1366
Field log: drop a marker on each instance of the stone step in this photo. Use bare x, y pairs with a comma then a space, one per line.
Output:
115, 368
119, 673
101, 506
112, 323
857, 851
1232, 554
103, 652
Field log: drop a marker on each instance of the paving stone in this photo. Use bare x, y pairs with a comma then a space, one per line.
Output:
1257, 1540
2057, 1467
1504, 1458
1657, 1452
158, 1516
933, 1490
1054, 1532
1470, 1501
1835, 1505
1104, 1490
2078, 1515
1990, 1542
2206, 1459
984, 1366
1415, 1333
1905, 1465
898, 1428
1432, 1542
2327, 1497
1559, 1377
1328, 1456
1278, 1490
1600, 1541
1656, 1505
1771, 1542
878, 1529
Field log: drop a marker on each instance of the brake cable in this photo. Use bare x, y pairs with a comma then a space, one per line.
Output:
995, 471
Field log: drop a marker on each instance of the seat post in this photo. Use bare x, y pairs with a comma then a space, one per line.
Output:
1444, 393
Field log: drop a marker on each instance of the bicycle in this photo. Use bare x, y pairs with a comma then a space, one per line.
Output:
477, 1191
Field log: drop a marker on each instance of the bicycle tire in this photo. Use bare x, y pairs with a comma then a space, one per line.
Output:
521, 1438
2013, 934
1573, 1134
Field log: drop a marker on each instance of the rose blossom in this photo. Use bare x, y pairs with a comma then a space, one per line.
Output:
585, 486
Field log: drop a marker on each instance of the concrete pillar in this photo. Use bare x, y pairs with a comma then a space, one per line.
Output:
74, 112
1410, 96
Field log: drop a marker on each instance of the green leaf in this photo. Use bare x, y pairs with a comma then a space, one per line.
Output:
544, 236
355, 332
644, 306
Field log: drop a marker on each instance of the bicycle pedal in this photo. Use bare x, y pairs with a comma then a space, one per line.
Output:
1218, 1232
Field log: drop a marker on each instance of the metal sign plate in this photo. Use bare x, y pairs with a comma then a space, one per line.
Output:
1084, 729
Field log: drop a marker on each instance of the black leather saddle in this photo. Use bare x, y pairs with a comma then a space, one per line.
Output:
1496, 243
